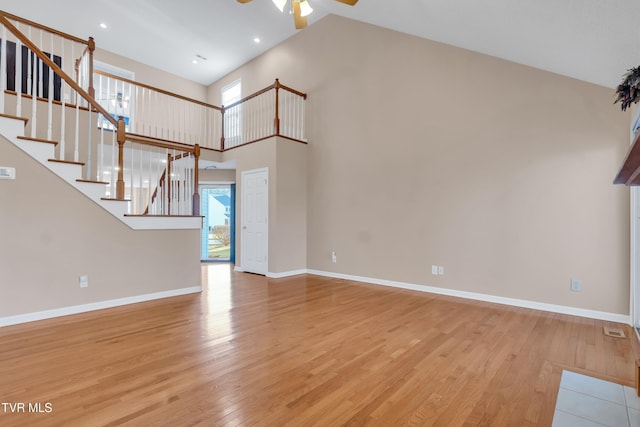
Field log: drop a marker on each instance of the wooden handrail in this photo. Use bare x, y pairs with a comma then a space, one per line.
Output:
288, 89
162, 91
43, 27
253, 95
53, 66
156, 142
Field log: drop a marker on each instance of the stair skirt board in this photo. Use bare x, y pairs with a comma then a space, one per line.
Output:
76, 309
11, 128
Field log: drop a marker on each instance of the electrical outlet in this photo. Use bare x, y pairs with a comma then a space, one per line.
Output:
334, 259
440, 270
84, 281
576, 285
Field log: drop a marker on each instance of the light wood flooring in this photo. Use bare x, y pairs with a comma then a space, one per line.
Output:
302, 351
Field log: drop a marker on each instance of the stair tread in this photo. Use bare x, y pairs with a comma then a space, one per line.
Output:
68, 162
92, 182
115, 200
27, 138
9, 116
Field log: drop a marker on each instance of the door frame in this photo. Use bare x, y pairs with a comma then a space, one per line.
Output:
243, 247
232, 218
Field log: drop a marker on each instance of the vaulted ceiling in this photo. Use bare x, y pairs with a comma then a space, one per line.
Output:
592, 40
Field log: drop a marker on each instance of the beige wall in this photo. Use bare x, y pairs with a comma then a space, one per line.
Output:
51, 234
153, 76
217, 175
421, 153
287, 165
288, 229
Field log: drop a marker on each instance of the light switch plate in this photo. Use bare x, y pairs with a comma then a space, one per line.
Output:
7, 172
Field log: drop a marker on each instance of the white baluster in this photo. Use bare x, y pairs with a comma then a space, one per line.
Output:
159, 188
73, 95
63, 111
149, 182
108, 102
131, 180
76, 135
140, 193
29, 69
100, 174
140, 113
34, 97
50, 94
19, 73
89, 163
133, 117
304, 120
40, 67
113, 171
3, 68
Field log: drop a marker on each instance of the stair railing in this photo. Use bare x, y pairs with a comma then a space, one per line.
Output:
157, 113
118, 153
276, 110
162, 177
118, 120
45, 78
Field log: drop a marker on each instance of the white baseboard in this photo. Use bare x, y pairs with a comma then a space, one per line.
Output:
58, 312
553, 308
238, 269
287, 274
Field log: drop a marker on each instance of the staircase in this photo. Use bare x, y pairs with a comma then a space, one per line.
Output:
43, 151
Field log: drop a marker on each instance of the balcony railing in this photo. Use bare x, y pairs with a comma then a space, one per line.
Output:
142, 142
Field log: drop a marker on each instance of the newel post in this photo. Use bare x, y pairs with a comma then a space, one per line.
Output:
276, 122
121, 139
92, 47
222, 110
196, 180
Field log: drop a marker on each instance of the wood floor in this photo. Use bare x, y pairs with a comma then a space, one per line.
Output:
301, 351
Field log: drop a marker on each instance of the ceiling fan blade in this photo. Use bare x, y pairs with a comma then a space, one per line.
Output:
299, 20
349, 2
244, 1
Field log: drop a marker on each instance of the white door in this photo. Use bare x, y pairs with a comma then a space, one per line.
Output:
255, 221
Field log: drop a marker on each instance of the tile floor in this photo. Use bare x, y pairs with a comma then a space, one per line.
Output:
585, 401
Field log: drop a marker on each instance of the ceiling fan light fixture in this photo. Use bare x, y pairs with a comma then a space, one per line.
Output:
305, 8
280, 4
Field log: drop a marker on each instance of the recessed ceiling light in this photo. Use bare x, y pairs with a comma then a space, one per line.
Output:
103, 25
256, 40
194, 61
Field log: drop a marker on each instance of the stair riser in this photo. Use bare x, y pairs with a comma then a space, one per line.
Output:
116, 207
94, 191
66, 171
40, 151
12, 127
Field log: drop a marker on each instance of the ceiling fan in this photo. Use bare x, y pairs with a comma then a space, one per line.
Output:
300, 9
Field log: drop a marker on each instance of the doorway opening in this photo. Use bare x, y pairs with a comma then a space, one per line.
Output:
218, 227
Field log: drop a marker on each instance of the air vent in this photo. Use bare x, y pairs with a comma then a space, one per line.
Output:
614, 332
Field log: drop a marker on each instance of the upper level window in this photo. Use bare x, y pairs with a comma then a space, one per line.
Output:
232, 93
